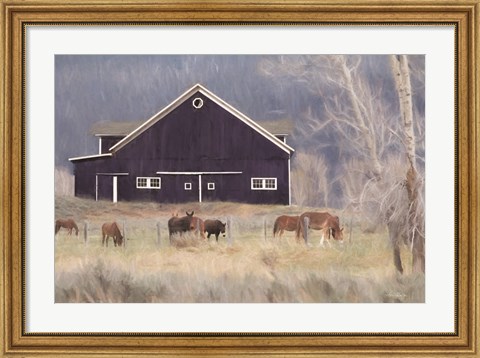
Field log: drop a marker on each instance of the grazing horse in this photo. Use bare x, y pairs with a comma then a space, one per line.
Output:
111, 229
180, 224
283, 223
68, 224
215, 227
321, 221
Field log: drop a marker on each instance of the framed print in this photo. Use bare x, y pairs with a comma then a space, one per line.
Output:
235, 179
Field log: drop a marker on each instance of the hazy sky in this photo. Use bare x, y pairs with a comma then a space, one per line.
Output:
93, 88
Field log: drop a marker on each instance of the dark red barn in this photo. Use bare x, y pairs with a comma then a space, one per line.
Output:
198, 148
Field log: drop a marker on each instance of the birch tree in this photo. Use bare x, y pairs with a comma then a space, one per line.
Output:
376, 138
401, 74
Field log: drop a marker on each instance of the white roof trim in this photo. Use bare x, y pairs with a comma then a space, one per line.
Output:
91, 156
196, 173
109, 135
114, 174
199, 88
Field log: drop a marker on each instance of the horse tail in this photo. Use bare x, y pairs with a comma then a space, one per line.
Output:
104, 229
299, 228
275, 227
75, 227
57, 227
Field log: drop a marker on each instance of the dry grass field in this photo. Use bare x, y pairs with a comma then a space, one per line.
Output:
249, 267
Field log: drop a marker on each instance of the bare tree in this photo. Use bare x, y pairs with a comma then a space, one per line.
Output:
415, 223
377, 142
309, 180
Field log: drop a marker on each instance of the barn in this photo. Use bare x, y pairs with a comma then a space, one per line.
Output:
198, 148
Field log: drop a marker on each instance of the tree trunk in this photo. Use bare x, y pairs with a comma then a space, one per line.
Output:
401, 74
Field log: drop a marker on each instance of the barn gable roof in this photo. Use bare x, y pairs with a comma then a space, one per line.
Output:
199, 88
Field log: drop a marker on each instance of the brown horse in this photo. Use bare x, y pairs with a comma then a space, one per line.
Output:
198, 225
111, 230
180, 224
68, 224
321, 221
215, 227
284, 222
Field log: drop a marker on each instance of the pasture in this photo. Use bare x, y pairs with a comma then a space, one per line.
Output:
252, 267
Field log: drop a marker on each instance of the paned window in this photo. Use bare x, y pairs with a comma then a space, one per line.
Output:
264, 184
148, 183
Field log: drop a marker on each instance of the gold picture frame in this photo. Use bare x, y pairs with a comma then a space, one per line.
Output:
16, 14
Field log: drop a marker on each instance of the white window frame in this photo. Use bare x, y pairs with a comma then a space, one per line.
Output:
149, 183
210, 186
264, 184
187, 186
197, 103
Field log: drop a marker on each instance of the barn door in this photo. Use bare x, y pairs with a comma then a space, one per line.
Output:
187, 188
211, 185
107, 187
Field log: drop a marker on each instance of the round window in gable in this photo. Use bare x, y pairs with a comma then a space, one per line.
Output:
197, 103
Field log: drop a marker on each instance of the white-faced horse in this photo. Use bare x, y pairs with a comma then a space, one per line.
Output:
320, 221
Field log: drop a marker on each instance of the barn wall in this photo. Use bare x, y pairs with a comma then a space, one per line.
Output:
195, 138
110, 141
209, 139
228, 187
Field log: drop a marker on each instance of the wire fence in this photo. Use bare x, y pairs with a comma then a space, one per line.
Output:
155, 232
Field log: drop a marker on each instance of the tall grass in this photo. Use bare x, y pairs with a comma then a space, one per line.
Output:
250, 269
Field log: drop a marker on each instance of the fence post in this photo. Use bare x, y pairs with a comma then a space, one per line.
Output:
265, 229
350, 236
306, 222
197, 229
158, 235
85, 232
229, 231
124, 234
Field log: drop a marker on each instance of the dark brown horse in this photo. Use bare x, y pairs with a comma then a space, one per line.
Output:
111, 230
320, 221
284, 222
68, 224
215, 227
180, 224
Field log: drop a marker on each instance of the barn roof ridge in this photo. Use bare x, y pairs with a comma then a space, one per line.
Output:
179, 100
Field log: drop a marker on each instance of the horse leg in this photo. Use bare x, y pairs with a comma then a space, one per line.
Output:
328, 237
322, 239
216, 236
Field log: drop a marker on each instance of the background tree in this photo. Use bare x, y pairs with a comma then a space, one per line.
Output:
374, 136
416, 234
